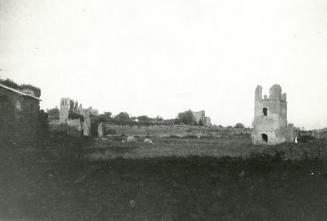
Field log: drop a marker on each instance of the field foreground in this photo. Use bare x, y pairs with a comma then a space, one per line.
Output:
239, 146
40, 185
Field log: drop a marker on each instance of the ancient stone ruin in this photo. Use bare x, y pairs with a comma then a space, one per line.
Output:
19, 114
76, 116
270, 118
200, 118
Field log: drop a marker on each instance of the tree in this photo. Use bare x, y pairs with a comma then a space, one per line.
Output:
239, 125
186, 117
143, 119
158, 118
122, 117
105, 117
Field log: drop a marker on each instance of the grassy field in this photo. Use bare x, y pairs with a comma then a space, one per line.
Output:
111, 148
238, 146
51, 182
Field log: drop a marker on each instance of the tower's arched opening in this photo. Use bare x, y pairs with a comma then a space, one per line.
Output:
264, 111
264, 138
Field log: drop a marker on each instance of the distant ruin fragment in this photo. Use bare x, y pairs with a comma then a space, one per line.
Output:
270, 118
200, 118
76, 116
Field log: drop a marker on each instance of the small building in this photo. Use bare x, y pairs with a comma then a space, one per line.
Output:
270, 124
19, 116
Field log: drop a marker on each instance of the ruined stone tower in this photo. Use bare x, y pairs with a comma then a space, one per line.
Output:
270, 118
65, 107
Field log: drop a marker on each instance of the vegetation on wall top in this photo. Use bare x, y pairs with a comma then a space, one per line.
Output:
14, 85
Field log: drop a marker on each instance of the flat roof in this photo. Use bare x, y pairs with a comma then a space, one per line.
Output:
19, 92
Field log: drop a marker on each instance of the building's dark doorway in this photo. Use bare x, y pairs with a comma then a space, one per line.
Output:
264, 137
264, 110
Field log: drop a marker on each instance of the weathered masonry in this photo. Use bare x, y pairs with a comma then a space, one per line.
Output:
74, 115
200, 118
19, 114
270, 118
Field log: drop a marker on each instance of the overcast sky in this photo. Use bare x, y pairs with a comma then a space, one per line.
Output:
163, 57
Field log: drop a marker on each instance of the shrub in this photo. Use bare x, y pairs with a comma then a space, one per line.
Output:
73, 115
110, 131
12, 84
239, 125
122, 118
186, 117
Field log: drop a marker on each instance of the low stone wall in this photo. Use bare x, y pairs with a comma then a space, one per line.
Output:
177, 130
62, 128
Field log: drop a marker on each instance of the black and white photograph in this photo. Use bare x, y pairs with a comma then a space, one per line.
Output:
152, 110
